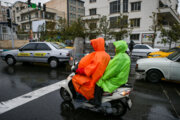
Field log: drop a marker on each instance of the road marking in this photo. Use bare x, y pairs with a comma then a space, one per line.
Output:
177, 91
18, 101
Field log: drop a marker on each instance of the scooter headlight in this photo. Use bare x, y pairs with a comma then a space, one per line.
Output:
126, 92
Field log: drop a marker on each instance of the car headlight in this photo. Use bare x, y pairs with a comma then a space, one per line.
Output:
155, 55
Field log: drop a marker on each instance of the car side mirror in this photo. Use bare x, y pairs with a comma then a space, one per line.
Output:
20, 49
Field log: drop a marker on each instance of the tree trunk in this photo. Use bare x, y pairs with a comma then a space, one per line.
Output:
170, 44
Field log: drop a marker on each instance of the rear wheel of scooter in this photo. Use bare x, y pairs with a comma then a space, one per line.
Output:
65, 94
118, 108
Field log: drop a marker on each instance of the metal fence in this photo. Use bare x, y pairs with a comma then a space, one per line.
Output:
15, 36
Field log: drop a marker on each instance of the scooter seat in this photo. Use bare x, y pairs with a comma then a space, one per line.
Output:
107, 94
127, 85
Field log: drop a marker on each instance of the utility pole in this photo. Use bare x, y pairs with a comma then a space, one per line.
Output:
9, 22
30, 30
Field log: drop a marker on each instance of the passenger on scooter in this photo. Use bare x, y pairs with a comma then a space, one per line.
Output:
117, 71
90, 69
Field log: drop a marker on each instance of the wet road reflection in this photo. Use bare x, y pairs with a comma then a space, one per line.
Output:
20, 79
69, 112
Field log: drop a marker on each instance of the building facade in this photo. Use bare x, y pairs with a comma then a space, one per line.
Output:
21, 13
3, 16
138, 12
73, 9
5, 31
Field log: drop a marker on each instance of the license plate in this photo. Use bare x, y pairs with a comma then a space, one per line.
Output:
129, 103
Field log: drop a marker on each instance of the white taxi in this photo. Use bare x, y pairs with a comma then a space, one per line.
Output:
45, 52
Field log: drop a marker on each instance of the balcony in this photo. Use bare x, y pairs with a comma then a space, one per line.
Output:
169, 14
92, 17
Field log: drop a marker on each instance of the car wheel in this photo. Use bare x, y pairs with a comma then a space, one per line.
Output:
53, 63
10, 60
154, 76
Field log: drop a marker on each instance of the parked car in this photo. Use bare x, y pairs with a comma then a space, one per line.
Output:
143, 50
156, 69
63, 45
45, 52
163, 53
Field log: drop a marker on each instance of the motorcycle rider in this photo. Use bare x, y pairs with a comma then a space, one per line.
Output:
116, 73
90, 69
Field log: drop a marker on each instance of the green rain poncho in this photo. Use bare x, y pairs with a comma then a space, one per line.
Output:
117, 71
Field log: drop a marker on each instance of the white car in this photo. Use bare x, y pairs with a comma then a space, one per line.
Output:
143, 50
156, 69
45, 52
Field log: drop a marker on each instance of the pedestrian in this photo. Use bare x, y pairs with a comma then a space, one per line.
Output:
131, 46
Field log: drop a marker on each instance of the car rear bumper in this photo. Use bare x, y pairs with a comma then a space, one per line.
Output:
140, 74
3, 57
65, 59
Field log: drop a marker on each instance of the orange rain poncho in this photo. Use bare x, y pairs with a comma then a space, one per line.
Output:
94, 65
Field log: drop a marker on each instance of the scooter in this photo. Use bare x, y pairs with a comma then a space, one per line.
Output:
116, 103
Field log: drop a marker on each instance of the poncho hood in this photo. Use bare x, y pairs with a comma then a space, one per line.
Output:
121, 46
98, 44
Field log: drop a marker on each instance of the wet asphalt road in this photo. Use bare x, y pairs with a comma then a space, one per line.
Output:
150, 101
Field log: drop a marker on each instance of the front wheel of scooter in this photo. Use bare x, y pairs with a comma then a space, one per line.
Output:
118, 108
65, 94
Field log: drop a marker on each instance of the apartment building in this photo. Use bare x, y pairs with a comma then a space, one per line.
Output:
73, 9
5, 31
21, 13
3, 16
138, 12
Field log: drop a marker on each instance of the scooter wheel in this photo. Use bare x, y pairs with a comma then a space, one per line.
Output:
118, 108
65, 94
67, 107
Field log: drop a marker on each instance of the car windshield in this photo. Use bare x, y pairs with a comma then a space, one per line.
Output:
174, 55
62, 44
170, 50
56, 46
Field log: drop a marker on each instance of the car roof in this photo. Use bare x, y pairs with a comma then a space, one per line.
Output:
141, 44
39, 42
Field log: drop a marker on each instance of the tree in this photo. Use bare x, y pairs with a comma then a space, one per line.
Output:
171, 35
77, 29
123, 25
63, 29
156, 23
104, 27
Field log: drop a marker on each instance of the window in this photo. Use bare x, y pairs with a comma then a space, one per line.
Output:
43, 46
144, 47
125, 5
137, 47
4, 29
113, 22
92, 1
140, 47
93, 25
92, 11
30, 46
115, 7
116, 22
134, 37
135, 6
135, 22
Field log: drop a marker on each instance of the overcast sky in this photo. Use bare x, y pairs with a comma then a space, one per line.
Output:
43, 1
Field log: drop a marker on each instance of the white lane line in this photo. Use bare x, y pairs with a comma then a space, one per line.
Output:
177, 91
18, 101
